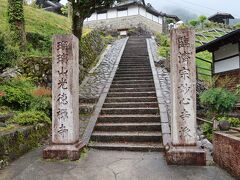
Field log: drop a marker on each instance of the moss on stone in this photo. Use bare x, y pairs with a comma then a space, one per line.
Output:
19, 141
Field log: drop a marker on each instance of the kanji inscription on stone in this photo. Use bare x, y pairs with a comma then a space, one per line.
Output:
183, 79
65, 90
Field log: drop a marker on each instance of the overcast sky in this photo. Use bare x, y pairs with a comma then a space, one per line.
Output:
197, 7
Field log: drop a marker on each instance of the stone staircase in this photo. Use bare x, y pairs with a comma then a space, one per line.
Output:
129, 119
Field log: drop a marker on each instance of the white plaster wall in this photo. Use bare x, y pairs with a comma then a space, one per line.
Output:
122, 13
112, 13
160, 20
132, 10
227, 65
226, 51
149, 15
142, 11
102, 16
93, 17
155, 18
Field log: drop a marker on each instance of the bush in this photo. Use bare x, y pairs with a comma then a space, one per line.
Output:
31, 118
235, 122
207, 130
17, 93
8, 54
218, 100
41, 104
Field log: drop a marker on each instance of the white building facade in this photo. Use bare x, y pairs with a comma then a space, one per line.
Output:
127, 16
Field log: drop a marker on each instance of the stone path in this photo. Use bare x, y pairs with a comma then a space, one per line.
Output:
108, 165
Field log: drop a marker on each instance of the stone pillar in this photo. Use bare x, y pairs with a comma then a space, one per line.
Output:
183, 150
65, 99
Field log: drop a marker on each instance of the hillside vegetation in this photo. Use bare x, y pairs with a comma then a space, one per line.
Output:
37, 21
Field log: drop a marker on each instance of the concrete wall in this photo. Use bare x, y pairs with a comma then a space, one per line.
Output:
125, 23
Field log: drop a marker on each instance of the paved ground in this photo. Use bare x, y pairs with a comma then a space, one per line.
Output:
107, 165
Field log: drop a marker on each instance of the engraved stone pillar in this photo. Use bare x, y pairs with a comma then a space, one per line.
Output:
183, 90
65, 99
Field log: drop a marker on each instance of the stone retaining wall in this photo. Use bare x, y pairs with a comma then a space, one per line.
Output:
226, 151
16, 142
127, 22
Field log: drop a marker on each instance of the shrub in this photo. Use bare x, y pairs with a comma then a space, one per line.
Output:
8, 54
17, 93
31, 118
207, 130
46, 92
41, 103
235, 122
218, 100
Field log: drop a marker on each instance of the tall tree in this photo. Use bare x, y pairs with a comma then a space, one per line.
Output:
17, 22
82, 9
202, 19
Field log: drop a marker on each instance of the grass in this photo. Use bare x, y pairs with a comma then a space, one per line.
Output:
39, 21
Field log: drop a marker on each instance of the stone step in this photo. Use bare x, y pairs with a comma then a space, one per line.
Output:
133, 72
131, 65
134, 69
132, 56
130, 111
134, 75
130, 99
146, 89
132, 81
137, 136
124, 137
128, 118
133, 78
142, 147
128, 127
132, 85
132, 94
130, 105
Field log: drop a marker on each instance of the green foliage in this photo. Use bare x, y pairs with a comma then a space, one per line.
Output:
235, 122
237, 26
8, 54
41, 104
238, 92
207, 129
91, 47
17, 93
38, 44
202, 19
193, 22
164, 45
218, 100
31, 118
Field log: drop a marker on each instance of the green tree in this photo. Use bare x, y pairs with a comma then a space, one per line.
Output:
17, 22
237, 26
82, 9
193, 22
202, 19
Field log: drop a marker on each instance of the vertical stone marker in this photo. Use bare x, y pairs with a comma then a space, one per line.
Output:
183, 149
65, 99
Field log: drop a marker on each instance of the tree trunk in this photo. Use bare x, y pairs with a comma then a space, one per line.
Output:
77, 23
17, 22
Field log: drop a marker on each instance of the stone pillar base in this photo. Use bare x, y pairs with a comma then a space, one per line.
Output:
186, 156
59, 152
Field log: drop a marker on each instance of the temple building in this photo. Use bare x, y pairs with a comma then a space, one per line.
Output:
125, 15
221, 18
226, 58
